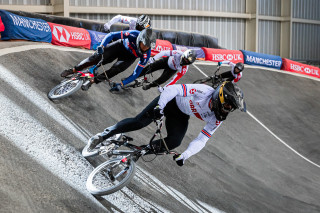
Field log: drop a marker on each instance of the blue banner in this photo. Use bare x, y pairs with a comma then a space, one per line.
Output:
19, 27
260, 59
96, 38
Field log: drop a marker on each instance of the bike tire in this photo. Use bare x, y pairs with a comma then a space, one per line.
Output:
98, 173
63, 89
85, 153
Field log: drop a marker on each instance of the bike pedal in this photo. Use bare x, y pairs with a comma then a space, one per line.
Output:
106, 149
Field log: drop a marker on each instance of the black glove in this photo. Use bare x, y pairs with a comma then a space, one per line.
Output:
157, 113
178, 158
100, 50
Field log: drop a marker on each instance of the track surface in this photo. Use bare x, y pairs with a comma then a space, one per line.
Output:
243, 167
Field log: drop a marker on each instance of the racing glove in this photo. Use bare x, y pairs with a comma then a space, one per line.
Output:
116, 87
151, 60
179, 159
157, 112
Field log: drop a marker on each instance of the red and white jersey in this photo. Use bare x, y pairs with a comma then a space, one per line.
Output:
193, 99
173, 63
238, 76
123, 19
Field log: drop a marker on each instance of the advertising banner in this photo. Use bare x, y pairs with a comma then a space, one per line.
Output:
217, 55
1, 25
293, 66
63, 35
260, 59
96, 38
19, 27
200, 53
160, 46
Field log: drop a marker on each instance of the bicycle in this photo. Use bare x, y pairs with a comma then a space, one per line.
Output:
140, 82
117, 172
72, 84
214, 80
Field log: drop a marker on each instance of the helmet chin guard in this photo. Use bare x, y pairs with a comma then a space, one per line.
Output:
227, 98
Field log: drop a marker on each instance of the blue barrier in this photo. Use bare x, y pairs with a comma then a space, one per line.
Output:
19, 27
265, 60
96, 38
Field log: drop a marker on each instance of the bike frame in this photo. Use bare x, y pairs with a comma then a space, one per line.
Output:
138, 150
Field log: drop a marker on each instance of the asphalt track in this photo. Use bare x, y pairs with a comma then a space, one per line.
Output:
266, 160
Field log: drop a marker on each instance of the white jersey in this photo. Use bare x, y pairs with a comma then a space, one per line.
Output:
238, 76
123, 19
173, 63
193, 99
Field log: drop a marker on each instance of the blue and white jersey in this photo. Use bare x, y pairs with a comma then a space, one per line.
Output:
129, 38
194, 100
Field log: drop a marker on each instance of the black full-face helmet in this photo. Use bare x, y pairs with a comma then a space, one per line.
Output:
240, 66
147, 38
143, 22
227, 98
188, 57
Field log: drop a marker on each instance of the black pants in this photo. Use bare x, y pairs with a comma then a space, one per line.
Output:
176, 123
157, 65
112, 51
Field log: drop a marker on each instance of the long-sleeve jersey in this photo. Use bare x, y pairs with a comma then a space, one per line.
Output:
173, 63
193, 99
123, 19
129, 42
231, 75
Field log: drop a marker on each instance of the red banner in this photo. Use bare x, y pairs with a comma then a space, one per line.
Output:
293, 66
217, 55
160, 46
1, 26
63, 35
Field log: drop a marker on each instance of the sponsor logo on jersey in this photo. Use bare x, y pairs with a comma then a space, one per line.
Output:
145, 55
192, 91
127, 34
194, 110
218, 122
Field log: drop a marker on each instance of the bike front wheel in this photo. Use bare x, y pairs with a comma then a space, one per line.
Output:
110, 176
65, 88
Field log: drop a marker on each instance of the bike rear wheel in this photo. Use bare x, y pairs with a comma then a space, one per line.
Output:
65, 88
110, 176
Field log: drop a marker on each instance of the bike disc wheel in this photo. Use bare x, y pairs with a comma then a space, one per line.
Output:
99, 181
65, 89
